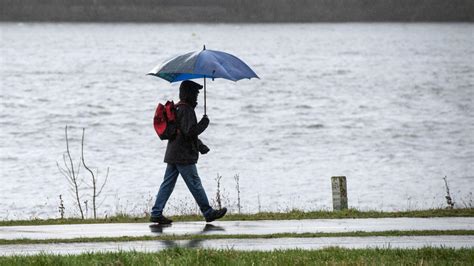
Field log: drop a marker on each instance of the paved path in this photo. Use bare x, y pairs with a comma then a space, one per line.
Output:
245, 244
237, 227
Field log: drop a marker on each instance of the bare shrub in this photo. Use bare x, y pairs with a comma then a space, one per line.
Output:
71, 174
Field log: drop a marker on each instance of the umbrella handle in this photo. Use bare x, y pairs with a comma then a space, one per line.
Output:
205, 96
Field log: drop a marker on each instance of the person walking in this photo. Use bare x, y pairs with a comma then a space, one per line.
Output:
182, 154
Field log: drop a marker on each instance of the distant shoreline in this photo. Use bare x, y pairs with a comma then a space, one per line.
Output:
237, 11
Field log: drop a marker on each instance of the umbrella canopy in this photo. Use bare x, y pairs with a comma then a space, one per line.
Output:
203, 64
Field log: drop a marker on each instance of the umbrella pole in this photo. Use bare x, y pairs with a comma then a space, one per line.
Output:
204, 95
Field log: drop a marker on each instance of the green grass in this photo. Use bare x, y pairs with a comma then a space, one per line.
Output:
189, 237
182, 256
292, 215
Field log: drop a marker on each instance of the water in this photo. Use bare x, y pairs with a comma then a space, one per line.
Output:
390, 106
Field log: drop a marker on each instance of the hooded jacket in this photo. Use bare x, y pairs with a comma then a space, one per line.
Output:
184, 149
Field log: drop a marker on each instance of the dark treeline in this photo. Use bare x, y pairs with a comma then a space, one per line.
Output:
236, 10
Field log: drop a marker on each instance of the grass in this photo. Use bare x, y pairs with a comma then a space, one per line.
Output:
292, 215
182, 256
241, 236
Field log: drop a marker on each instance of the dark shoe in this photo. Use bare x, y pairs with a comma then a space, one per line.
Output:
216, 214
160, 219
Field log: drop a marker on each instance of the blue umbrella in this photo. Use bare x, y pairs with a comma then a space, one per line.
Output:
203, 64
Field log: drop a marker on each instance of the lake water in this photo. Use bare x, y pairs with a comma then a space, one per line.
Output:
390, 106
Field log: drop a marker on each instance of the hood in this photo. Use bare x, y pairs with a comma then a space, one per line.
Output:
188, 92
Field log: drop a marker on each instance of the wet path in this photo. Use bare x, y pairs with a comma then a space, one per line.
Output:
241, 227
245, 244
237, 227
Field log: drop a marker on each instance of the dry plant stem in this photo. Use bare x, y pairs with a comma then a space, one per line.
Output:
90, 171
71, 175
237, 187
86, 207
74, 176
259, 204
95, 193
449, 200
218, 193
61, 206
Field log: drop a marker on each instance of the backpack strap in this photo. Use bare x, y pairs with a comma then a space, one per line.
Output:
181, 103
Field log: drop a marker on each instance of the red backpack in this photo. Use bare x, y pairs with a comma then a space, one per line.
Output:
165, 121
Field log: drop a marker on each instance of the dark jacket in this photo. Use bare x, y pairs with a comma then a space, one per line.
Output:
184, 149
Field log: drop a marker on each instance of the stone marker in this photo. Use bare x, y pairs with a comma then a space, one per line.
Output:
339, 193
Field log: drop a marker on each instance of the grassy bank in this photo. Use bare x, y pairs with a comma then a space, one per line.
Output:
292, 215
241, 236
180, 256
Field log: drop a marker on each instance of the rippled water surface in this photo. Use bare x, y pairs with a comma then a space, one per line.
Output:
390, 106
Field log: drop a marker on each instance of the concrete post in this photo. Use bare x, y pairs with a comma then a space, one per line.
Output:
339, 193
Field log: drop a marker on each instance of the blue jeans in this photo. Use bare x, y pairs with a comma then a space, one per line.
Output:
192, 180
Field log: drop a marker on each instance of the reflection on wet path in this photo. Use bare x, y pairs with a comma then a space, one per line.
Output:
193, 243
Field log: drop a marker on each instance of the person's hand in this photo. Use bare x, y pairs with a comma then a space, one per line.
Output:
203, 149
204, 120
